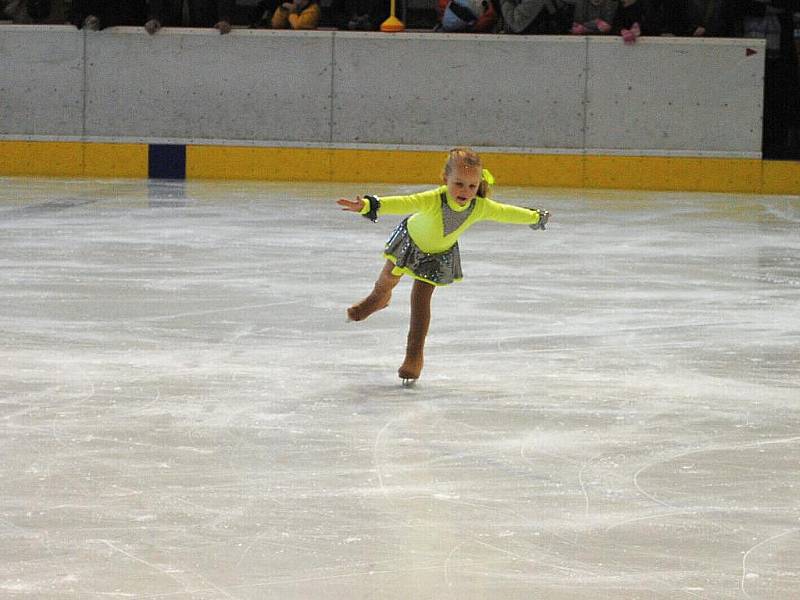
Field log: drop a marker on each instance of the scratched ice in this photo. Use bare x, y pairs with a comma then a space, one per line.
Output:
609, 409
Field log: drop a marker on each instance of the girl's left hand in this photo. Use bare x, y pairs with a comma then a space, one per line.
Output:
356, 205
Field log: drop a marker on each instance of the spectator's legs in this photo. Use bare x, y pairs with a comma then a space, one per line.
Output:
125, 12
224, 10
262, 13
676, 17
211, 13
168, 12
39, 10
202, 13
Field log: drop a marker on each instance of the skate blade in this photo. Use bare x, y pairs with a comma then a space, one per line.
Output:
409, 382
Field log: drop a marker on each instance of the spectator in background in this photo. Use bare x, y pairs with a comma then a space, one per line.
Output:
162, 13
629, 19
99, 14
772, 20
534, 16
592, 17
34, 11
298, 14
212, 13
686, 18
356, 15
202, 13
261, 13
362, 15
472, 16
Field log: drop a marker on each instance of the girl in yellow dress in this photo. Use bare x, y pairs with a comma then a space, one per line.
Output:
425, 244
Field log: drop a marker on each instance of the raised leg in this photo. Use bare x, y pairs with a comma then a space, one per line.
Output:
421, 294
379, 297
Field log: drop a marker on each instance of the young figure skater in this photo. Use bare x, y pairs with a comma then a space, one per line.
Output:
425, 244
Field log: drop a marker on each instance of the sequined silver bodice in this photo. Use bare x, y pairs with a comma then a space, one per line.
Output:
452, 220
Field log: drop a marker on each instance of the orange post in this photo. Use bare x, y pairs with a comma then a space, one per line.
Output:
392, 24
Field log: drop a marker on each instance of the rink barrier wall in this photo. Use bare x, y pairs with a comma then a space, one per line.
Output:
591, 112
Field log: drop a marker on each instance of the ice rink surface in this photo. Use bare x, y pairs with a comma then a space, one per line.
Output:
610, 409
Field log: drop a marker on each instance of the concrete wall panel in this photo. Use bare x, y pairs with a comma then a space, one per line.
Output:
439, 89
518, 93
675, 94
41, 81
197, 84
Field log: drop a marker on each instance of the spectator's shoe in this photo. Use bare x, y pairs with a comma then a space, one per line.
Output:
152, 26
91, 23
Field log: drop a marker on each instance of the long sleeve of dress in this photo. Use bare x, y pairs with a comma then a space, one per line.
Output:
426, 224
507, 213
402, 205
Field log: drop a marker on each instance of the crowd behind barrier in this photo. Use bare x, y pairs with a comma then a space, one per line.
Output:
777, 21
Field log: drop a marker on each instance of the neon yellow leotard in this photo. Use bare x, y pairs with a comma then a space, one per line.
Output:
425, 225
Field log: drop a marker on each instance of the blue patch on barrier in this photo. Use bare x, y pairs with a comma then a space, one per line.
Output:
166, 161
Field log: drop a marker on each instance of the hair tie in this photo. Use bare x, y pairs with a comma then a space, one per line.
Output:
487, 176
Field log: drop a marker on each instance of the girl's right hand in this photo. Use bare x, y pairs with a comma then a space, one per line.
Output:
356, 205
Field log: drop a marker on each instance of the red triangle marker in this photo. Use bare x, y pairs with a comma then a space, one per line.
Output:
750, 52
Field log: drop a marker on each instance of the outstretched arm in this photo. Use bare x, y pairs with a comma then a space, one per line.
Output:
509, 213
368, 206
356, 205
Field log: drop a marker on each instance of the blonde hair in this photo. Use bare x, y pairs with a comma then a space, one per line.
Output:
466, 157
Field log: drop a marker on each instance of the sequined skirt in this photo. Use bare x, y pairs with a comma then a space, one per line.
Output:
439, 269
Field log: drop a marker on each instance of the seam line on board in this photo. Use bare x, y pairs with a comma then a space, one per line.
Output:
84, 94
585, 102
